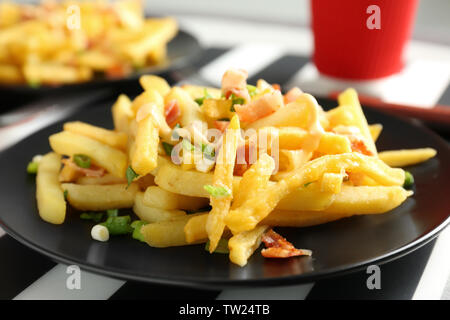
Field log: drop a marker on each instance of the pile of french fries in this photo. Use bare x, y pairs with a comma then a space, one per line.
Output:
67, 42
324, 173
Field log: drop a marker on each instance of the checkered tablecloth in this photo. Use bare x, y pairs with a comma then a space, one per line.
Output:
281, 55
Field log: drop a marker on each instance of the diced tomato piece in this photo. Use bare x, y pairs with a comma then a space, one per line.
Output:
276, 86
172, 112
117, 71
292, 95
358, 145
279, 247
221, 125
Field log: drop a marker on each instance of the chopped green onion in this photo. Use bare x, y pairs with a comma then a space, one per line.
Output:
137, 225
66, 193
308, 183
252, 90
187, 145
206, 95
112, 212
167, 148
208, 151
118, 225
222, 246
235, 100
175, 135
131, 175
35, 84
217, 192
409, 180
94, 216
81, 160
32, 167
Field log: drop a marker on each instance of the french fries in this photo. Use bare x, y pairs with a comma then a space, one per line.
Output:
159, 198
69, 144
49, 194
68, 42
244, 244
153, 214
403, 158
113, 139
100, 197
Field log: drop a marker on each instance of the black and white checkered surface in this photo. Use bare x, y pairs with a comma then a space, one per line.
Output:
422, 274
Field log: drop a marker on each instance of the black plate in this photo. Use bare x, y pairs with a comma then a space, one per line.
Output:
342, 246
181, 50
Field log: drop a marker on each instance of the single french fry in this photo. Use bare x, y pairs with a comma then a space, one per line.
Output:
332, 182
100, 197
49, 194
168, 233
254, 180
375, 130
350, 97
195, 228
152, 82
68, 143
152, 214
106, 179
144, 157
159, 198
172, 178
223, 177
113, 139
244, 244
122, 113
406, 157
150, 96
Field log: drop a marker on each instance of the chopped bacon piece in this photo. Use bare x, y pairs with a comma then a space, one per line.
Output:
279, 247
260, 108
358, 145
117, 71
245, 154
276, 86
172, 112
292, 95
235, 81
221, 125
93, 171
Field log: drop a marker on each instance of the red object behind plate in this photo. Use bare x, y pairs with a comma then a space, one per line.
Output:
345, 46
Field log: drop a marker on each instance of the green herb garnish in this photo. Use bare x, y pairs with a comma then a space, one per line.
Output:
252, 90
308, 183
131, 175
187, 145
118, 225
235, 100
81, 160
112, 212
222, 246
217, 192
66, 193
409, 180
167, 148
94, 216
208, 151
137, 225
32, 167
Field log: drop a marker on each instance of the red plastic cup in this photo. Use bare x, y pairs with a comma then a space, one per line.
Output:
346, 47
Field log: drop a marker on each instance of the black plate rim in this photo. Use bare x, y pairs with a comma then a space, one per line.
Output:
240, 283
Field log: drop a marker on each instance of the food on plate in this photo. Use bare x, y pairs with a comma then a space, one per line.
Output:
222, 166
65, 42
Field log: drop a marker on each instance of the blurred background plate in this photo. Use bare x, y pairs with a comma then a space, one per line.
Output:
338, 247
181, 51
